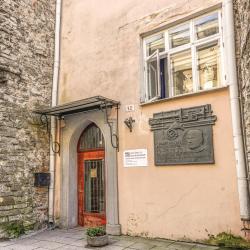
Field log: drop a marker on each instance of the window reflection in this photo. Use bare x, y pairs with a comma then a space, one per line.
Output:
209, 61
207, 26
152, 78
179, 36
155, 43
91, 138
182, 73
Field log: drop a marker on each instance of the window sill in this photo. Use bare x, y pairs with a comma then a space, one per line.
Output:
201, 92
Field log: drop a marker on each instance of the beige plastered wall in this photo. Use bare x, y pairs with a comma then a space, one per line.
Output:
101, 55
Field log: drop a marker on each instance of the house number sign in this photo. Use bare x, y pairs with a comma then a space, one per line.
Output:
183, 136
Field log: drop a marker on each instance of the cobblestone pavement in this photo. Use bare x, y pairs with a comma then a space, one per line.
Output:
75, 239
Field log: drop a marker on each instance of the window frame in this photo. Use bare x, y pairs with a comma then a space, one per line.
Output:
193, 46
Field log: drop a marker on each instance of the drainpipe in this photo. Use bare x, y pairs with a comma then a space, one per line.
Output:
54, 103
235, 110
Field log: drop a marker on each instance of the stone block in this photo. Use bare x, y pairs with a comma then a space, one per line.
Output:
6, 201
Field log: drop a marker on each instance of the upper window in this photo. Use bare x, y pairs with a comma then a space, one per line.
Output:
184, 59
91, 138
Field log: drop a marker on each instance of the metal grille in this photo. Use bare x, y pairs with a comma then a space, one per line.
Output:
94, 186
92, 138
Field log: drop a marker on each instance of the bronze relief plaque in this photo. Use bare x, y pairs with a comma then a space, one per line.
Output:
183, 136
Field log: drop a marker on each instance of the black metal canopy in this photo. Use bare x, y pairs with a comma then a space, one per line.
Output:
84, 105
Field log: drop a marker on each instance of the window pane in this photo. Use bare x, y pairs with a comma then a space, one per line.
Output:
164, 78
152, 79
179, 36
157, 42
209, 70
181, 64
207, 26
94, 199
91, 138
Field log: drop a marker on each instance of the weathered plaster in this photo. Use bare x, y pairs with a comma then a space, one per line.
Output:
101, 55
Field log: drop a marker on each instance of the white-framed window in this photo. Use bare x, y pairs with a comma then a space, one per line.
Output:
184, 59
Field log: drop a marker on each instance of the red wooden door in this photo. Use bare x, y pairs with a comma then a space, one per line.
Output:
91, 178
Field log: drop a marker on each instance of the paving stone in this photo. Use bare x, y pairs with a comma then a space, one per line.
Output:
112, 241
112, 248
75, 235
140, 245
160, 248
40, 248
155, 242
68, 247
21, 247
124, 243
63, 240
204, 247
6, 243
79, 243
108, 247
48, 244
181, 246
46, 236
123, 237
160, 243
26, 242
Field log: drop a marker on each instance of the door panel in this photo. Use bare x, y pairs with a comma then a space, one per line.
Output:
91, 188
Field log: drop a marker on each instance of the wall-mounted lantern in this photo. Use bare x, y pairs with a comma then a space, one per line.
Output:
129, 123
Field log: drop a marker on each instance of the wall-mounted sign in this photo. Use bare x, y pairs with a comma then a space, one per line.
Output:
93, 173
130, 107
183, 136
135, 158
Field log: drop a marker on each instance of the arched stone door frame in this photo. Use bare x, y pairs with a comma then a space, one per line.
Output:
70, 134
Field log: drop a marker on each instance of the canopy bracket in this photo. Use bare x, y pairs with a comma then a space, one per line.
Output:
55, 146
114, 143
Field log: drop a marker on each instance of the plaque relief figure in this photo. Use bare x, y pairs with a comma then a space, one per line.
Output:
195, 140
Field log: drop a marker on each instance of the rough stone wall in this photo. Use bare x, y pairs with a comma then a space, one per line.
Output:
242, 36
26, 67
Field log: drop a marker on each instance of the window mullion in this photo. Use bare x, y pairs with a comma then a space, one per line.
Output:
146, 72
180, 49
194, 56
222, 50
151, 56
166, 41
170, 77
195, 69
168, 83
158, 75
207, 40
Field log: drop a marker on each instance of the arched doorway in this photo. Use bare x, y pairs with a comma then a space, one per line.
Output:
91, 177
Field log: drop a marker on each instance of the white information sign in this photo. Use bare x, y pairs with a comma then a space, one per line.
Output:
135, 158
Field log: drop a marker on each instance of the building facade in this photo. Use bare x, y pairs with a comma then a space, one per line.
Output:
169, 67
26, 64
145, 113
